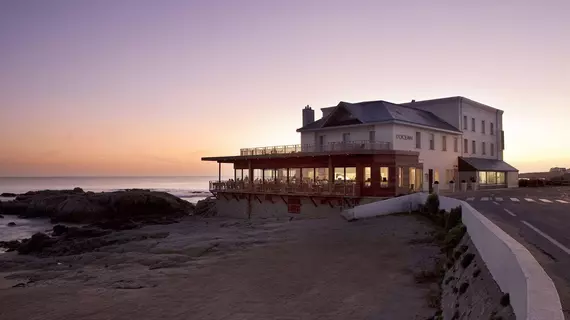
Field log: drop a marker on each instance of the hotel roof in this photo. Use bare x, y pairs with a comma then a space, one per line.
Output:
377, 112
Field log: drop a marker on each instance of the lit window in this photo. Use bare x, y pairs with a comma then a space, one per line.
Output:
367, 176
384, 177
400, 177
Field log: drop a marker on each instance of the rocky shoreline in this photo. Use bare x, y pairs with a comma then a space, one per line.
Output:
99, 213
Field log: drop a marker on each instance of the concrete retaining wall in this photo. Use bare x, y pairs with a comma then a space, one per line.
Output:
516, 271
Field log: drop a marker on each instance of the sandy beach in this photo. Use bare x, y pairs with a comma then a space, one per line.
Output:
220, 268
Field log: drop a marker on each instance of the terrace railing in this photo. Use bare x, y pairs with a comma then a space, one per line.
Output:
321, 188
311, 148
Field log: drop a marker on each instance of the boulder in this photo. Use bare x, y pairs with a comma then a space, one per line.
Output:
77, 209
11, 224
58, 230
206, 207
10, 245
8, 195
38, 242
14, 208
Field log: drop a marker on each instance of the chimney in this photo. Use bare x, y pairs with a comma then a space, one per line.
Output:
308, 115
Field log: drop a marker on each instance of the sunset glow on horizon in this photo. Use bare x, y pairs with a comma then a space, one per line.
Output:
107, 88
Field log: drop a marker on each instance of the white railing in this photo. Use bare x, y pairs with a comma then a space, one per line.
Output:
311, 148
337, 188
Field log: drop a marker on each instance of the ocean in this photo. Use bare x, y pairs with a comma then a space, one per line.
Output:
191, 189
188, 188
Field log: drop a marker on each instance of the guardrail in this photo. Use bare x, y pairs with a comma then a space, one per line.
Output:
322, 188
311, 148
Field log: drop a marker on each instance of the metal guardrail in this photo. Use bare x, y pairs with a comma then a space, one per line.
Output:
308, 148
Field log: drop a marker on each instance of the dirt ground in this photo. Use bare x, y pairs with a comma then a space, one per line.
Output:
218, 268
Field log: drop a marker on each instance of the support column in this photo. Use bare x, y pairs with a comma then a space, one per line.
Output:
331, 174
219, 172
250, 170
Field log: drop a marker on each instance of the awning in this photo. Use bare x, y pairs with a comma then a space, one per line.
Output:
480, 164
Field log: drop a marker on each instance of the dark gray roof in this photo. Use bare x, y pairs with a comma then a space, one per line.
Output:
480, 164
383, 111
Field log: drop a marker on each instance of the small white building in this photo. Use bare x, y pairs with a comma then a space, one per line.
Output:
457, 138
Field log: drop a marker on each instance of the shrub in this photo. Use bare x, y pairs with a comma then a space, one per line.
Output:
436, 182
523, 183
432, 204
453, 218
451, 182
453, 237
505, 300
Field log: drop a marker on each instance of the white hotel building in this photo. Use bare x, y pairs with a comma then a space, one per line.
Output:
456, 138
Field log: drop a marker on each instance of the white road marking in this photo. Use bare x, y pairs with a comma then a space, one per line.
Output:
562, 201
509, 212
529, 199
495, 202
470, 199
498, 199
515, 200
549, 238
545, 200
485, 199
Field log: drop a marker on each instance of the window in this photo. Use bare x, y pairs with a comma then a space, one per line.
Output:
473, 124
492, 149
418, 140
482, 177
435, 175
400, 177
501, 178
473, 147
444, 143
308, 175
322, 174
491, 177
384, 177
465, 122
412, 178
431, 141
483, 126
483, 149
294, 175
492, 129
465, 146
455, 144
350, 173
367, 176
339, 174
345, 137
372, 136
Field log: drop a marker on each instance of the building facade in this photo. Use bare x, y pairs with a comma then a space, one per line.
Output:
457, 138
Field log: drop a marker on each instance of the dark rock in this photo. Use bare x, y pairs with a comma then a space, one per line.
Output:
36, 243
78, 190
11, 224
117, 225
14, 208
10, 245
59, 229
206, 207
505, 300
77, 206
463, 287
8, 195
467, 258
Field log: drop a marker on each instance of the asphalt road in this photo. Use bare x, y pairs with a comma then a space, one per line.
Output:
539, 218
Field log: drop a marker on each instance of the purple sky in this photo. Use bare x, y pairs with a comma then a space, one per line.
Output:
113, 87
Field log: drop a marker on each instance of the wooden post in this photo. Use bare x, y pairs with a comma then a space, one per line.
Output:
219, 172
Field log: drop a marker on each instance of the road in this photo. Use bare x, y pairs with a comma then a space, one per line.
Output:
539, 218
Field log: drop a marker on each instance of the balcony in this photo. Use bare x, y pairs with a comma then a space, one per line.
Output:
361, 145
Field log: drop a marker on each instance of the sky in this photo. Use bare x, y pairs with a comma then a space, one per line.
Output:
138, 87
